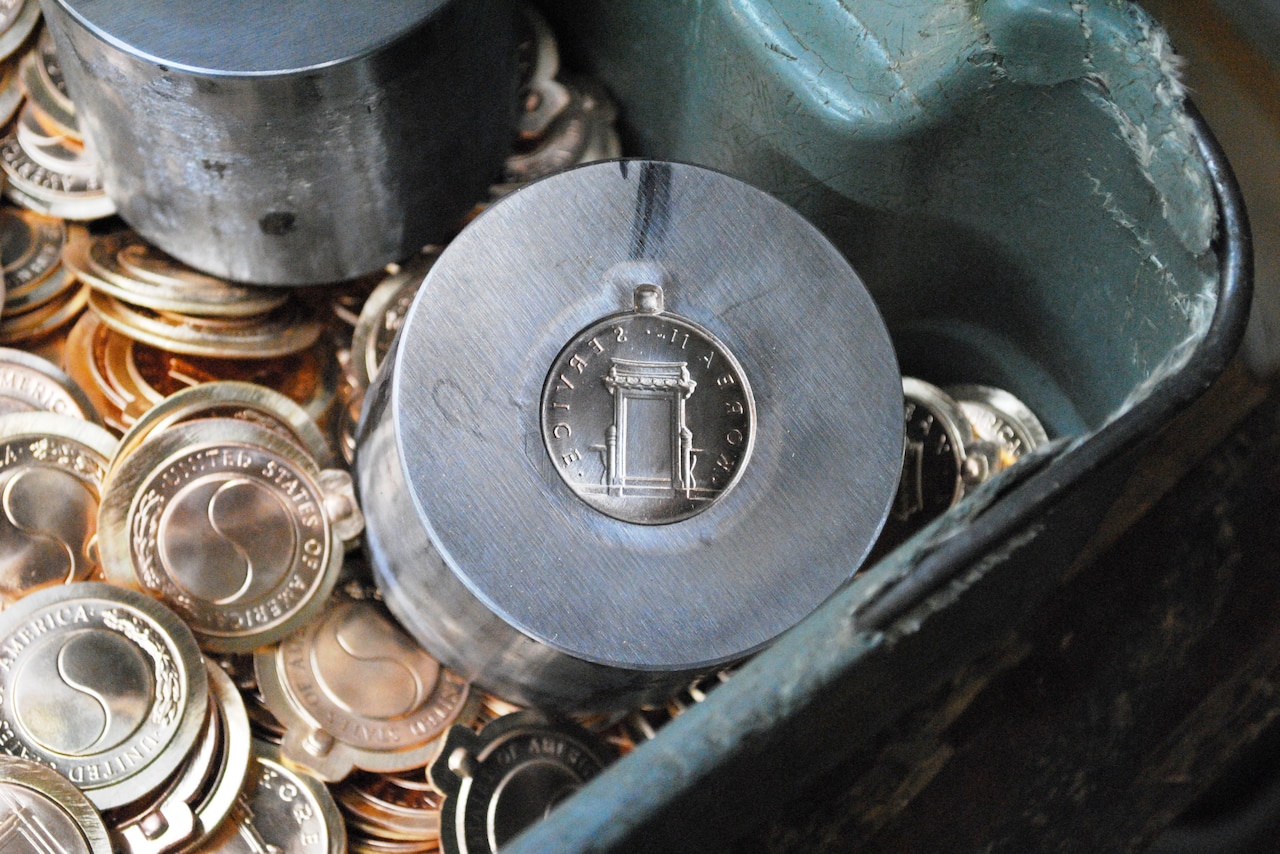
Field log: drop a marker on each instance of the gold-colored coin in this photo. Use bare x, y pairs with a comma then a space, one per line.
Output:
51, 476
229, 524
31, 384
281, 810
22, 300
195, 802
237, 400
283, 331
125, 378
36, 83
42, 811
122, 265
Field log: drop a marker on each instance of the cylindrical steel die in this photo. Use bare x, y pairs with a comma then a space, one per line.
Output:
297, 142
640, 419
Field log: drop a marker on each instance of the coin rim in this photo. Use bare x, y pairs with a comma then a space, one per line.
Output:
40, 778
123, 490
190, 664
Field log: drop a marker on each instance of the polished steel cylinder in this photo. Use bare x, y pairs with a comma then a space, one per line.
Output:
640, 419
291, 142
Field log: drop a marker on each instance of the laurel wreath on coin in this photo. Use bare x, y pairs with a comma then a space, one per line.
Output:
168, 683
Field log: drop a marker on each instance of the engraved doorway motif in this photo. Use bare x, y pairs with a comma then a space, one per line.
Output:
649, 447
624, 403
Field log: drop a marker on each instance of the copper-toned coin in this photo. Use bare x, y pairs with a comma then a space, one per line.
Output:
231, 525
280, 332
393, 807
42, 811
86, 360
355, 691
104, 682
51, 473
31, 384
123, 265
308, 378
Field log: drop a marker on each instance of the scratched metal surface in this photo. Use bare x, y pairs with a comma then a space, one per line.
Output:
1031, 203
298, 161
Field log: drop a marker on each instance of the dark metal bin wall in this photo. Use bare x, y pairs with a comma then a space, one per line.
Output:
1033, 206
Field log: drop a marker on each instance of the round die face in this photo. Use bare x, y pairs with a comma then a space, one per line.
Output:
647, 417
676, 395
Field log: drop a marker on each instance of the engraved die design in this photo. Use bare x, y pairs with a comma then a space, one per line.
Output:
646, 415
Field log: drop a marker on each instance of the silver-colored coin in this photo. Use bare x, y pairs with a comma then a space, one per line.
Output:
103, 684
646, 415
77, 184
31, 384
383, 315
1004, 425
500, 781
42, 812
280, 810
23, 16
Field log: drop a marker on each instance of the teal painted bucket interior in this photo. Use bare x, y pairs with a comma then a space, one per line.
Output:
1034, 206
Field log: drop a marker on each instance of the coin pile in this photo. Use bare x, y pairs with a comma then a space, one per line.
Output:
107, 686
42, 295
275, 703
155, 326
44, 156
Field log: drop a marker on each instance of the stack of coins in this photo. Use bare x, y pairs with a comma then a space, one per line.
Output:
42, 295
108, 686
216, 505
49, 167
156, 326
563, 120
956, 439
373, 331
